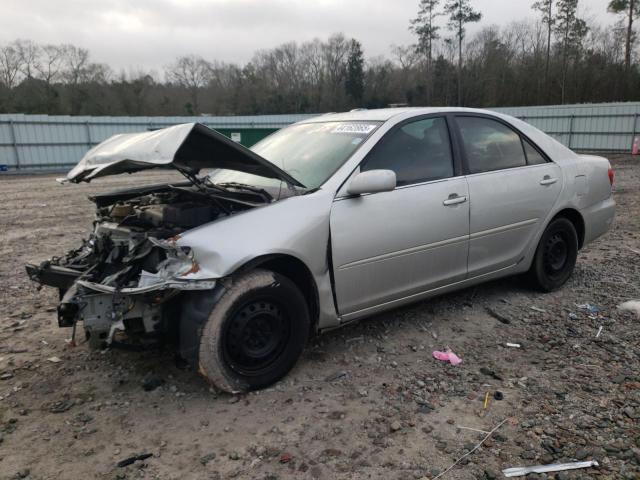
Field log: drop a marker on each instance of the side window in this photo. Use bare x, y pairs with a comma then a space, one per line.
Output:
533, 156
418, 152
490, 145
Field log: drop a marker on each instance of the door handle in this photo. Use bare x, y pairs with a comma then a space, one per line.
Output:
547, 180
454, 199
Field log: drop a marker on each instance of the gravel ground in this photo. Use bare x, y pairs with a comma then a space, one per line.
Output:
367, 401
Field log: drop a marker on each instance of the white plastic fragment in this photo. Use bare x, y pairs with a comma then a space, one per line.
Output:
557, 467
513, 345
599, 331
632, 306
54, 359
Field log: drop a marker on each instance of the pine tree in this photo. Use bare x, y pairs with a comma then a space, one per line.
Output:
354, 84
631, 8
425, 28
545, 7
460, 13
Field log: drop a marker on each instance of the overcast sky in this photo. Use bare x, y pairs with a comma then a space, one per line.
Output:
150, 33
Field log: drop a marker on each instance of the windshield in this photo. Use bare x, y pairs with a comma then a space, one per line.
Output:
309, 152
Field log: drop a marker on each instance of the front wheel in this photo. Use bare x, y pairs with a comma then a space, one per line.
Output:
255, 332
555, 256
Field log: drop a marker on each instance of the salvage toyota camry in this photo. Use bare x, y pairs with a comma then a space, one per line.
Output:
322, 223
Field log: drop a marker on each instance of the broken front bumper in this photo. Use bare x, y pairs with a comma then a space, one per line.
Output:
104, 309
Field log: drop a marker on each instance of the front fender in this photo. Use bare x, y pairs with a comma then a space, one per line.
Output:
297, 226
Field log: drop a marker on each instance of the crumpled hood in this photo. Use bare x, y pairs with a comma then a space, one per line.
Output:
189, 146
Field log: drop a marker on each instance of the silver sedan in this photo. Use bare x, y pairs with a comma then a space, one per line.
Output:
322, 223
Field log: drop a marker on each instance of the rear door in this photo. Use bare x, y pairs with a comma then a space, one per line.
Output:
390, 245
512, 188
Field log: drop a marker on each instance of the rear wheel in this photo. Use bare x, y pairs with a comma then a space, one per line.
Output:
255, 333
555, 256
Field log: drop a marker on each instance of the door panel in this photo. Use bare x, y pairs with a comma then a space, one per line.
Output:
507, 208
389, 245
512, 188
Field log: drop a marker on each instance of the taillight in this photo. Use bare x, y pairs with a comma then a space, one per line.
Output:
611, 175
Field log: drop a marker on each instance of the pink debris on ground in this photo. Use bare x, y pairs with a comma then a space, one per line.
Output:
447, 356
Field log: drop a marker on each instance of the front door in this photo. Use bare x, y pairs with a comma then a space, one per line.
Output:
390, 245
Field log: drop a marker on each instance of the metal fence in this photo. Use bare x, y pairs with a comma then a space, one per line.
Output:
606, 127
42, 142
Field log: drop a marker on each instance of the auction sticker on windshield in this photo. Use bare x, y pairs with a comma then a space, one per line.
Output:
357, 128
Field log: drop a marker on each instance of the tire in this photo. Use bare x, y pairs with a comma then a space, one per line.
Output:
255, 332
555, 256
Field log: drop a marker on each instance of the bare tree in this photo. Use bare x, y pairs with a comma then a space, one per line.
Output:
29, 54
9, 65
191, 72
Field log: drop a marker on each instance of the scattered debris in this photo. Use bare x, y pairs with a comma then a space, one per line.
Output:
486, 401
447, 356
471, 451
536, 309
490, 373
513, 345
591, 308
498, 316
6, 376
54, 359
129, 461
558, 467
286, 458
599, 331
632, 306
498, 395
472, 429
335, 376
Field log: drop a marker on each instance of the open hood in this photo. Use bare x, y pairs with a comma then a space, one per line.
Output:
189, 147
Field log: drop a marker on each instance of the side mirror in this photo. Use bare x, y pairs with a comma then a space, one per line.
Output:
373, 181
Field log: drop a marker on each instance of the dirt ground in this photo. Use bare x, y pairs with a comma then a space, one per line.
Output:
364, 402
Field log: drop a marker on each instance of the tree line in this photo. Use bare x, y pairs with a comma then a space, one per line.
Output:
557, 58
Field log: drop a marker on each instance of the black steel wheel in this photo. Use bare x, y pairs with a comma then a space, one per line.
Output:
555, 256
255, 332
255, 336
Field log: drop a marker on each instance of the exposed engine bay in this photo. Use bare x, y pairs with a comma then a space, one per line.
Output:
126, 275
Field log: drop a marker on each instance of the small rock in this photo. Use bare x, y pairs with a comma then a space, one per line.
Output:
207, 458
151, 382
490, 474
395, 426
61, 406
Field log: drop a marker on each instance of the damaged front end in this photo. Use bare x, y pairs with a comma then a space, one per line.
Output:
130, 273
126, 275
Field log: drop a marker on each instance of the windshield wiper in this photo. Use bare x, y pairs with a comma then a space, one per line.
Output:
241, 186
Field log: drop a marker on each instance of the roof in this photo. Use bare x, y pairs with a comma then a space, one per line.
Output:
384, 114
